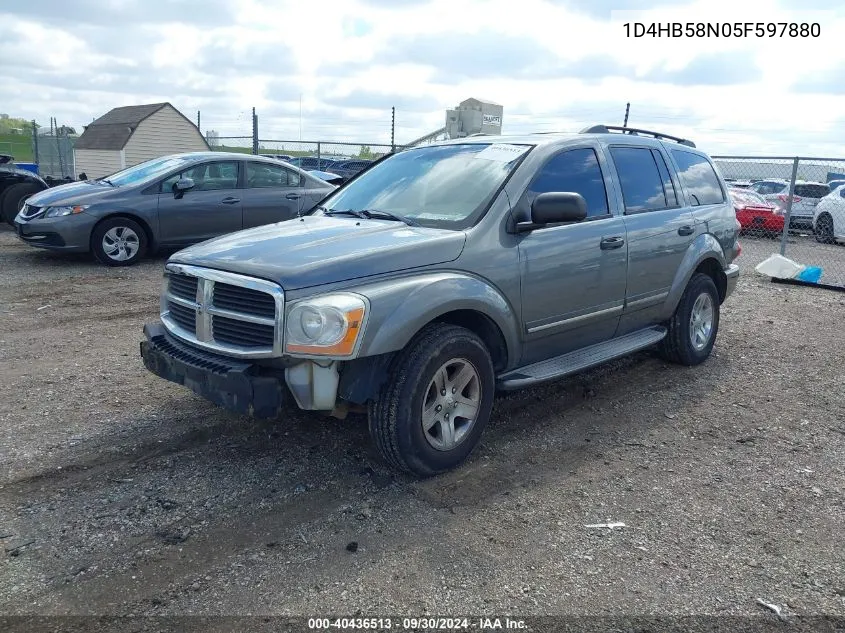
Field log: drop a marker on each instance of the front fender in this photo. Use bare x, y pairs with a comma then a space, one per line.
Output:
704, 247
400, 308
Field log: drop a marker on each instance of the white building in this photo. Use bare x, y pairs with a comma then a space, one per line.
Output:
129, 135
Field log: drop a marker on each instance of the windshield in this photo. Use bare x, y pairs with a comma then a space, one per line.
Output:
443, 186
748, 197
145, 172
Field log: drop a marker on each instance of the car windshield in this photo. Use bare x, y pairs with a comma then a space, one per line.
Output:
442, 186
145, 172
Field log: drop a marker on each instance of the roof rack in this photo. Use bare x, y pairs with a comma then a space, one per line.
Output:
605, 129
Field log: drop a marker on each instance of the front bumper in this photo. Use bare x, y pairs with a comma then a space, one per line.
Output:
67, 234
732, 274
233, 384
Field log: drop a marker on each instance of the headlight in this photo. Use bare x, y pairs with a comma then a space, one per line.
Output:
330, 325
57, 212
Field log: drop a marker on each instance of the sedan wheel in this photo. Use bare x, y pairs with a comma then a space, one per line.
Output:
824, 229
118, 242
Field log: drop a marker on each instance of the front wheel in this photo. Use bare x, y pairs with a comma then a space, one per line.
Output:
693, 327
430, 414
118, 242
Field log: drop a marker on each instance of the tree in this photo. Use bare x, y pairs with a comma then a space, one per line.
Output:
366, 152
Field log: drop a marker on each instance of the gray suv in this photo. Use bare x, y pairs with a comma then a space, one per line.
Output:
447, 272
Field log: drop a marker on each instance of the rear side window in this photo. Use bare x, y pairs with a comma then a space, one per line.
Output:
576, 171
699, 178
769, 188
811, 191
642, 185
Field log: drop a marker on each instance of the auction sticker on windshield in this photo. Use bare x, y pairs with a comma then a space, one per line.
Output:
503, 152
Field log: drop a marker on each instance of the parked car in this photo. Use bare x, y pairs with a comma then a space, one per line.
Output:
349, 168
829, 218
804, 200
835, 184
755, 214
449, 271
329, 177
168, 202
16, 185
311, 162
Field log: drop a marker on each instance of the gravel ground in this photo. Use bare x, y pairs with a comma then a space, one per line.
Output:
123, 494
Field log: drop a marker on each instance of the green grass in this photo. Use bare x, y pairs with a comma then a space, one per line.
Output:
18, 145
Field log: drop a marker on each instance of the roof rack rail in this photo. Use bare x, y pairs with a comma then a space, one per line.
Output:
605, 129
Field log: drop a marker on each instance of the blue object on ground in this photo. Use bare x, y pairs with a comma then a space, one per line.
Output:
811, 274
33, 167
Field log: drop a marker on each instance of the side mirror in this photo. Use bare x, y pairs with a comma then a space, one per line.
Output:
181, 186
554, 207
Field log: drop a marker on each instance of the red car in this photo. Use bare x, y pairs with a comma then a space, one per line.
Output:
755, 214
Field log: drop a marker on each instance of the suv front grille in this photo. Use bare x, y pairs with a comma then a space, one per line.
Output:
223, 312
245, 300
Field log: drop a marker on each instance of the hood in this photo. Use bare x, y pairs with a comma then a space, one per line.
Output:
82, 192
319, 250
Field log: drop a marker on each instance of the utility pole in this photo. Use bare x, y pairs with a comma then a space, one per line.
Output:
627, 110
392, 129
254, 132
300, 117
199, 125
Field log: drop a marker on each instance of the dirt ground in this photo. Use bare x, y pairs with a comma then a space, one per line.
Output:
123, 494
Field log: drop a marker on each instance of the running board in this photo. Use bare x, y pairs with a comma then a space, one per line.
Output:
581, 359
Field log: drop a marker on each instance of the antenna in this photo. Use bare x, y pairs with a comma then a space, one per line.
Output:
627, 110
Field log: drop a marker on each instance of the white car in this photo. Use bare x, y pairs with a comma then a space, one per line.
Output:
829, 217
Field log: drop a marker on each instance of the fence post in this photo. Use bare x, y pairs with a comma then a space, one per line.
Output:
254, 132
392, 129
35, 143
788, 213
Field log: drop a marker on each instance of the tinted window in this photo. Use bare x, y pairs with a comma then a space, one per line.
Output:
699, 178
207, 177
642, 187
578, 171
263, 175
668, 186
811, 191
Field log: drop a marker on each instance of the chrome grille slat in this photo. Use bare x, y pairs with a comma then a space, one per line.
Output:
223, 312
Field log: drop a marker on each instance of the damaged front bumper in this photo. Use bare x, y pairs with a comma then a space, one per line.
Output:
234, 384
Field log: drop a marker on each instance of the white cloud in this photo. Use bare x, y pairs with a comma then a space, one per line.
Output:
553, 64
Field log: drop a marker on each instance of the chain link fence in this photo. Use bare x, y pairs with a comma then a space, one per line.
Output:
53, 152
793, 206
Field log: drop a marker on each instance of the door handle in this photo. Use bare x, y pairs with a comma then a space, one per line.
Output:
293, 196
686, 230
230, 200
609, 243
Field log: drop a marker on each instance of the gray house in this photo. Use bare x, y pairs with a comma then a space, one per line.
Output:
129, 135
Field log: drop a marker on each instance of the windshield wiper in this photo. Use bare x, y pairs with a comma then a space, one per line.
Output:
331, 212
107, 181
387, 215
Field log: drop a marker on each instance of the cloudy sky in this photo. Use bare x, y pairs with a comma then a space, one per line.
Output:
342, 64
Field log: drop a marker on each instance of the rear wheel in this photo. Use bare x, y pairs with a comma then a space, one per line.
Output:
14, 198
118, 242
430, 415
695, 324
824, 229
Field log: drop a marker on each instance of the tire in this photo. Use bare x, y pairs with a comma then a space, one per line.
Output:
396, 415
127, 234
824, 229
14, 197
679, 346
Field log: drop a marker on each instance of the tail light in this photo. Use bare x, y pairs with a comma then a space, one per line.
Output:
785, 198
